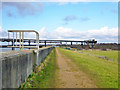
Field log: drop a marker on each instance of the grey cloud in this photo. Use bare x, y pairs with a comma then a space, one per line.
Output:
67, 19
84, 19
70, 18
23, 8
114, 11
10, 14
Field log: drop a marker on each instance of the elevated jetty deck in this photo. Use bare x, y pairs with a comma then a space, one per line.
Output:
29, 41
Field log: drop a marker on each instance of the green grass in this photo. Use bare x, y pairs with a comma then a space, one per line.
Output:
103, 72
44, 78
111, 54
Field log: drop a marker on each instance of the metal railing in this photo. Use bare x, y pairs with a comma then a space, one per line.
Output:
22, 45
21, 39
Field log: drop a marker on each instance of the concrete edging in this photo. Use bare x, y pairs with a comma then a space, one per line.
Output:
17, 66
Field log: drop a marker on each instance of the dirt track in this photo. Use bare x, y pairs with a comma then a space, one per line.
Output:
69, 75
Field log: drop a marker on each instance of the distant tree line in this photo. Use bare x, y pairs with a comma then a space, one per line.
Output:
102, 46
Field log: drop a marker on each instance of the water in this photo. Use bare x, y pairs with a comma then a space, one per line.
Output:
10, 49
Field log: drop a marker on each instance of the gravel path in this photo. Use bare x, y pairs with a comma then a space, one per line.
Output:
69, 75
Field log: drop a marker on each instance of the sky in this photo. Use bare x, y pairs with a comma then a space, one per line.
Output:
62, 20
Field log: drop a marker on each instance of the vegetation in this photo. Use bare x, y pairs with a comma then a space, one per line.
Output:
45, 77
111, 54
103, 72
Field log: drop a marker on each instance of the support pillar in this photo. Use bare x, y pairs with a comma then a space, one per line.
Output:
71, 43
60, 43
82, 44
13, 45
92, 45
29, 43
45, 43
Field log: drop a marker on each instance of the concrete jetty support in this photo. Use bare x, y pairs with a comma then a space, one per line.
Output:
16, 66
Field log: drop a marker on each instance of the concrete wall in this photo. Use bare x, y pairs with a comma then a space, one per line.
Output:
43, 53
16, 66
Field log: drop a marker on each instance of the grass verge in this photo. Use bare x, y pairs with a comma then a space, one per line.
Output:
112, 54
104, 73
45, 77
